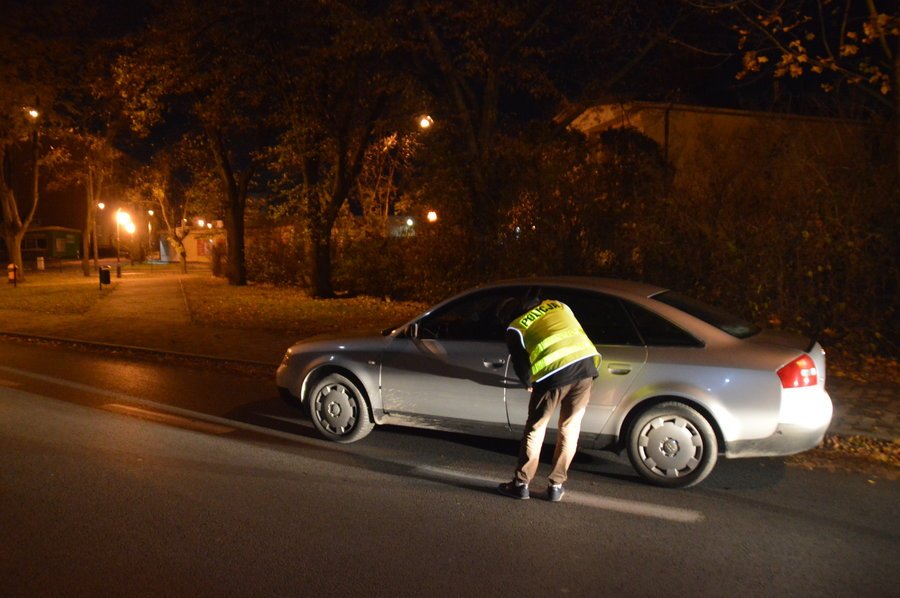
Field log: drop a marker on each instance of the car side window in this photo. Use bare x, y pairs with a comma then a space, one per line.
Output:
471, 318
659, 332
601, 316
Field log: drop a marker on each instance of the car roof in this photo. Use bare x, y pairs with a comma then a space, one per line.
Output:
613, 285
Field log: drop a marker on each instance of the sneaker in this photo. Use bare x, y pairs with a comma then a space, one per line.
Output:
514, 489
555, 492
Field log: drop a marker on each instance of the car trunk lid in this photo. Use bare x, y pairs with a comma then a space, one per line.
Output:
781, 338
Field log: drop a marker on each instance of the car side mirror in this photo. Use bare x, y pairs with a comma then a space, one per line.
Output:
412, 331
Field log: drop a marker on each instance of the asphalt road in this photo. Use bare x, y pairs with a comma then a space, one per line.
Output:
125, 477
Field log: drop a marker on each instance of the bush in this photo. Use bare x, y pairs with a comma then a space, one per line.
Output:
277, 255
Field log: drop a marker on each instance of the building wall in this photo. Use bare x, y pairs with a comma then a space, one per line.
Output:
702, 142
197, 245
48, 242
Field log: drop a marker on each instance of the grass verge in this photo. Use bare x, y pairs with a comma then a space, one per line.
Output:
51, 296
214, 302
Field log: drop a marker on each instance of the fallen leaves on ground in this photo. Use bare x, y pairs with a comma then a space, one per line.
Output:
877, 458
864, 369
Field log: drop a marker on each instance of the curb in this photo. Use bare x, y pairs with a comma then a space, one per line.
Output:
141, 350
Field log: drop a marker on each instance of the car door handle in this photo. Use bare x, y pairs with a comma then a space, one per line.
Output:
497, 363
618, 369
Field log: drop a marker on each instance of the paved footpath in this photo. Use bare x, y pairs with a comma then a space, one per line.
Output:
151, 311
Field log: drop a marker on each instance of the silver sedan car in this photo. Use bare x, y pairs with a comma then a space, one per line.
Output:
680, 382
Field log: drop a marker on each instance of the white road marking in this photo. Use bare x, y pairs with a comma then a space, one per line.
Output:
194, 418
152, 405
175, 420
597, 501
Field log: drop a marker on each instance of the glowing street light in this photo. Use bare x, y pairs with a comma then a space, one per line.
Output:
431, 216
425, 121
122, 218
150, 235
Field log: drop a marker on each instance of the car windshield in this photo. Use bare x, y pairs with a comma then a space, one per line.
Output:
713, 316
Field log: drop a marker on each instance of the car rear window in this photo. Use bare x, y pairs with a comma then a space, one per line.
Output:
713, 316
659, 332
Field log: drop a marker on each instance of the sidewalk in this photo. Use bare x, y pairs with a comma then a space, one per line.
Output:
150, 311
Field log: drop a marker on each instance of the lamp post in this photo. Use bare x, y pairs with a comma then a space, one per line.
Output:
150, 235
118, 243
130, 228
32, 114
99, 206
121, 218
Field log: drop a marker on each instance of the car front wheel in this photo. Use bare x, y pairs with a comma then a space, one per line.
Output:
672, 445
339, 410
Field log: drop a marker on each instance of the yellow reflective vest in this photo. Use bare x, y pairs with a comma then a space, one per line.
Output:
553, 339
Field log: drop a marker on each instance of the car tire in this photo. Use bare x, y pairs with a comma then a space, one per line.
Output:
672, 445
339, 410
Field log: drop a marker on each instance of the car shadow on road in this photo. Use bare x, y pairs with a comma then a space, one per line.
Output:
288, 419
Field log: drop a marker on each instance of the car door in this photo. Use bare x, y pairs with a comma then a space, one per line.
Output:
450, 365
622, 353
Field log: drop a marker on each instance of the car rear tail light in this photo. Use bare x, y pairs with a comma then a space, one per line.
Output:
799, 373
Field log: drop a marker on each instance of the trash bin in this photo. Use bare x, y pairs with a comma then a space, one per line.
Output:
13, 274
104, 276
40, 263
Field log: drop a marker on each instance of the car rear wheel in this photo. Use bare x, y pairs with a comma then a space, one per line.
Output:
672, 445
339, 410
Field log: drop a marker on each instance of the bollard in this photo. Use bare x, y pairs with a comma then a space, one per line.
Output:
13, 274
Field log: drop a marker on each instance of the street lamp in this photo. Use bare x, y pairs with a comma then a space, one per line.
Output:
150, 235
431, 216
122, 218
425, 121
33, 114
101, 206
130, 228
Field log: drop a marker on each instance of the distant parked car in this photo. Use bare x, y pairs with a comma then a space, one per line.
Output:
680, 381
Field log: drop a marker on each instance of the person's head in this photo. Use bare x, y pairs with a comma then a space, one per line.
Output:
508, 309
511, 307
530, 302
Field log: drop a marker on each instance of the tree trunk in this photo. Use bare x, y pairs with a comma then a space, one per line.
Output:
14, 227
236, 195
234, 230
896, 115
182, 252
321, 249
14, 248
88, 228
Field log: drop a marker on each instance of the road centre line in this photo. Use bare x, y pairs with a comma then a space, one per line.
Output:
621, 505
